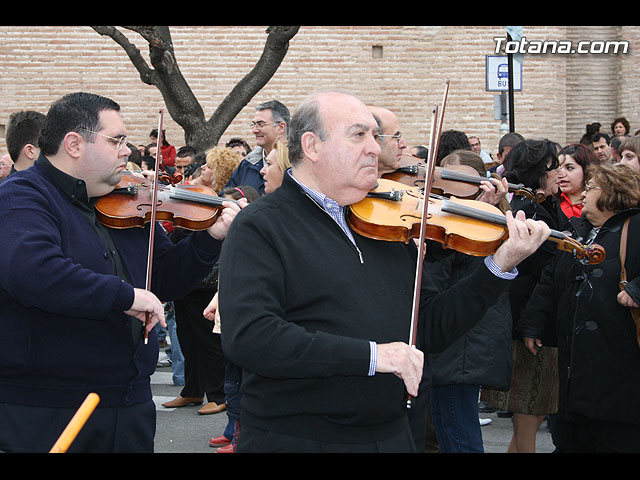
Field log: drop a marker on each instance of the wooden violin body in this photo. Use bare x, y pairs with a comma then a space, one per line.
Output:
399, 220
393, 212
188, 206
460, 181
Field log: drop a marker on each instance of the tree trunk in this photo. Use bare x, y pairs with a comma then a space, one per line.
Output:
181, 104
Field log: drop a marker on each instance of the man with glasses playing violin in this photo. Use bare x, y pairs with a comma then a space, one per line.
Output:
75, 307
390, 139
269, 124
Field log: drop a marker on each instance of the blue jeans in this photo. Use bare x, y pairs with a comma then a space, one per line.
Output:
232, 381
174, 352
454, 413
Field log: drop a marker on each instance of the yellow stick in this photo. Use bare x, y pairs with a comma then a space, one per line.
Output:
75, 425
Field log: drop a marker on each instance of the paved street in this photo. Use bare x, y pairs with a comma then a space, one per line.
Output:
183, 430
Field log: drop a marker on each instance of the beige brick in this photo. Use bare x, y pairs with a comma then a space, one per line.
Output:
561, 93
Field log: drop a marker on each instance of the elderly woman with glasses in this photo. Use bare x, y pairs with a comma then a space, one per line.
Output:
598, 349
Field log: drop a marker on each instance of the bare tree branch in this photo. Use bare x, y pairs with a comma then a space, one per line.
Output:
181, 103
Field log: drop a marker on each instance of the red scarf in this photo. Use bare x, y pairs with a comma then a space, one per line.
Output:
568, 208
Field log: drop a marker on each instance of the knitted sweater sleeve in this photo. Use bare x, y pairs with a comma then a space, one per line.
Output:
38, 272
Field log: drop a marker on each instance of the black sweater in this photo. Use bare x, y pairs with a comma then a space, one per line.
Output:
299, 304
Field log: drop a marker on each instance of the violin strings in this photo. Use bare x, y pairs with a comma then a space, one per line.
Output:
185, 194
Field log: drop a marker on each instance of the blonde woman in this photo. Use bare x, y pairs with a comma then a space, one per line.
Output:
217, 169
275, 165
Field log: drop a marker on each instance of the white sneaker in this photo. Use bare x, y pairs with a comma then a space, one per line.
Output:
163, 360
484, 421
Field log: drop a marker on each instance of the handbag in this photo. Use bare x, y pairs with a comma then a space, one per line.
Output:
635, 311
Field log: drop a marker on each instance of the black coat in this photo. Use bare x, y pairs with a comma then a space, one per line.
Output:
530, 269
598, 356
482, 356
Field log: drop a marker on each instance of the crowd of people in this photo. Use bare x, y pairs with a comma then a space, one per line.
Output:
284, 317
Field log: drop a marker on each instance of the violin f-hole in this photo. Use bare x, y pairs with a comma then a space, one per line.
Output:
140, 206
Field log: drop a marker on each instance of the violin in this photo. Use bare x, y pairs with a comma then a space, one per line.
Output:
193, 207
393, 212
461, 181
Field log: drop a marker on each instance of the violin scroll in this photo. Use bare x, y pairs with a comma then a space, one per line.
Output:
590, 254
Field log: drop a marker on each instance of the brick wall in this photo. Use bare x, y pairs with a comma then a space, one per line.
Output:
561, 93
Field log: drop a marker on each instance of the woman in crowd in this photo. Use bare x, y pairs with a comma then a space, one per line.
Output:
167, 151
598, 349
573, 162
534, 384
629, 151
275, 165
620, 127
217, 169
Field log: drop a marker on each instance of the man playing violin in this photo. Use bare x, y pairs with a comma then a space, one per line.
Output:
72, 292
320, 316
390, 139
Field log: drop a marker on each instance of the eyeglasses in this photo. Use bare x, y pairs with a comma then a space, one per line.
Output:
396, 136
262, 124
119, 141
588, 188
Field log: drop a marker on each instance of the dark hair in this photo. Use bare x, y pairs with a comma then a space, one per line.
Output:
624, 122
279, 112
421, 151
450, 141
186, 151
597, 136
150, 160
23, 128
154, 134
237, 141
199, 159
582, 154
75, 112
527, 162
510, 139
590, 129
135, 156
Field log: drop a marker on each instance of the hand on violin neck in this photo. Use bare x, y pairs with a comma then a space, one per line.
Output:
525, 237
492, 192
221, 226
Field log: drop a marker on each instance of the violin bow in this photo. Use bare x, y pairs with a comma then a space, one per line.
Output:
152, 222
434, 141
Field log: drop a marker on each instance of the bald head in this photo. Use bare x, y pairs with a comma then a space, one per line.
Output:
390, 139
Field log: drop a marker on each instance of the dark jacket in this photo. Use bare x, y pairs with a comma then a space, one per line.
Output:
63, 292
598, 356
482, 356
300, 303
248, 172
530, 269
